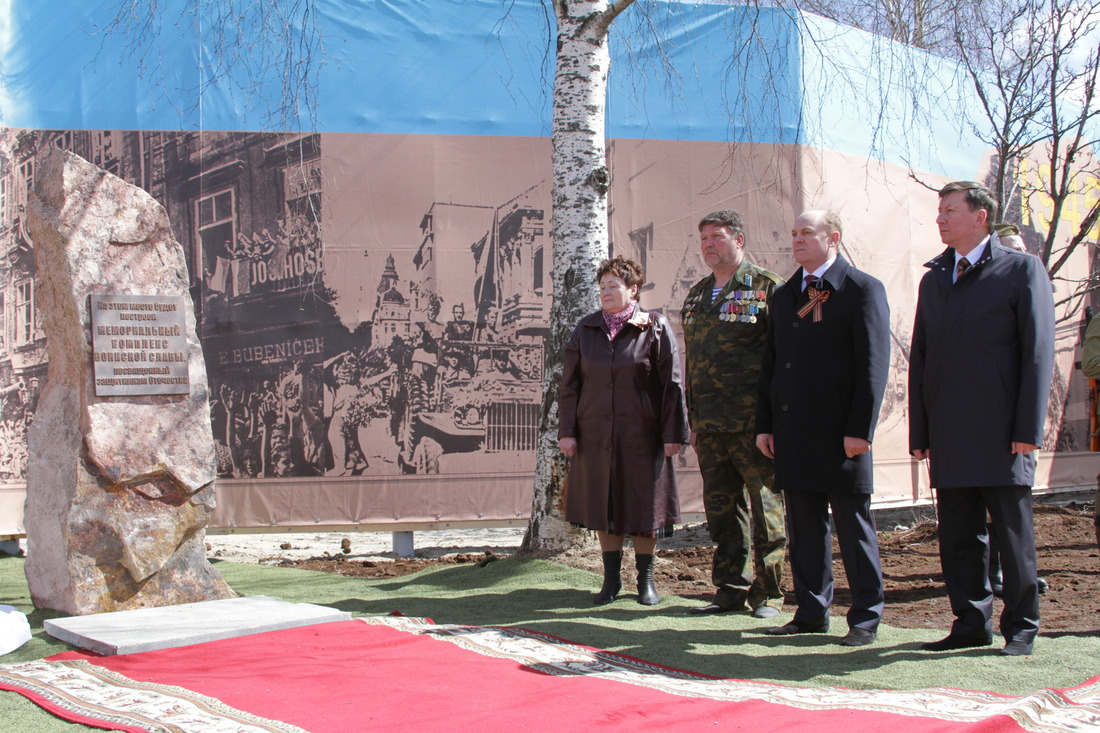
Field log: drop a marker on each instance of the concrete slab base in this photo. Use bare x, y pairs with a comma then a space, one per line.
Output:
146, 629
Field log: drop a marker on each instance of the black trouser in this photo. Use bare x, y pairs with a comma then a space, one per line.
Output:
964, 556
811, 550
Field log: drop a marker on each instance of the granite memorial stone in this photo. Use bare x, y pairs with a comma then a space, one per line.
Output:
120, 482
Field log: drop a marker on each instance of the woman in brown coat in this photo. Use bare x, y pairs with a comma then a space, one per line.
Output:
621, 420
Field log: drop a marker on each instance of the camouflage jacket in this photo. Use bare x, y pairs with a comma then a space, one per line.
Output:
723, 344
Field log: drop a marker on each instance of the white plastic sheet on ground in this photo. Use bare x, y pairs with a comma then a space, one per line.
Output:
15, 630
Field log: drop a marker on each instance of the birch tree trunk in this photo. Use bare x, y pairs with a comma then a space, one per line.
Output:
580, 236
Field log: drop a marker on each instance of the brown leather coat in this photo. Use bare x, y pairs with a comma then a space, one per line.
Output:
622, 400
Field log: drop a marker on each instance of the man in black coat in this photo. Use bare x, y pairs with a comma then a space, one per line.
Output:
821, 386
979, 379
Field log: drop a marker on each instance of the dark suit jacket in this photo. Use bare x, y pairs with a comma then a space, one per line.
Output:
823, 381
980, 367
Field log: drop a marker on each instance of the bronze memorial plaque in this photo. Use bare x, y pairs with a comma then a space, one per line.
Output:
140, 345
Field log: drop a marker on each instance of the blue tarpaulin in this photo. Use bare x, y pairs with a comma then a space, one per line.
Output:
680, 71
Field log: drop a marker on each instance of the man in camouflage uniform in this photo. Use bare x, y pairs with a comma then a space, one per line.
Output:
725, 320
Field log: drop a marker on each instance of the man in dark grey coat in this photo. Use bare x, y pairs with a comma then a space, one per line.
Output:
979, 380
821, 386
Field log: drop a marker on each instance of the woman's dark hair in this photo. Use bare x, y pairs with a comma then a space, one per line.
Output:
629, 271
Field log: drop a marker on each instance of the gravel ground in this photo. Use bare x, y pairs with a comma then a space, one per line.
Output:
270, 549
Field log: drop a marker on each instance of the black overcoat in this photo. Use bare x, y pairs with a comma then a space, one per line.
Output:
822, 381
622, 400
980, 368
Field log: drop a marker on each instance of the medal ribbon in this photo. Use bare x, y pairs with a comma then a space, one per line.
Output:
817, 297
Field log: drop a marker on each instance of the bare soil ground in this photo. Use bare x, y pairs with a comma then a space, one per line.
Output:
915, 596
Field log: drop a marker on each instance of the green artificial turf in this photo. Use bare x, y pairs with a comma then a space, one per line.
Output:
555, 599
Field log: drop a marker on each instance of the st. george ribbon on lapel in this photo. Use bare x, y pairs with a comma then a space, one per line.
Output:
817, 297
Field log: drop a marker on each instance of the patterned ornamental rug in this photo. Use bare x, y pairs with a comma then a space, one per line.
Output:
396, 673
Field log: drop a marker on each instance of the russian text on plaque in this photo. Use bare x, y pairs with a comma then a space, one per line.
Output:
139, 345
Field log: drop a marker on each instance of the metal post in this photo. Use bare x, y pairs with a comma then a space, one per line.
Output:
403, 544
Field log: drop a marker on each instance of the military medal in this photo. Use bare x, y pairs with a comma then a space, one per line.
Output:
691, 308
743, 306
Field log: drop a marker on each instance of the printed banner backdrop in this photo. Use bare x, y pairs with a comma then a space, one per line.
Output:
373, 297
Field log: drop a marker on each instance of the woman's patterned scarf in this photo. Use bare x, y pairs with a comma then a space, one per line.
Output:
616, 321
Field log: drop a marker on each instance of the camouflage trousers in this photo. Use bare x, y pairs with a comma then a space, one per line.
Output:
738, 489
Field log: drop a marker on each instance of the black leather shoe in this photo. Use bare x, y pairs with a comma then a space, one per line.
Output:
996, 577
999, 589
1017, 649
765, 611
858, 637
952, 642
708, 610
799, 627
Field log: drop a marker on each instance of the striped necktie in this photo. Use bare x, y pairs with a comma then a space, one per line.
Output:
963, 266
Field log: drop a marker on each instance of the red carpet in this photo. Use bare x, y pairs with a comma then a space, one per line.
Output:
409, 675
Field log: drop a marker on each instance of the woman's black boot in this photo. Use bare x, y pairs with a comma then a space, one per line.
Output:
612, 583
647, 589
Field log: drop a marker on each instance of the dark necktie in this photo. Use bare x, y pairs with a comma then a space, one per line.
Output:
963, 266
813, 298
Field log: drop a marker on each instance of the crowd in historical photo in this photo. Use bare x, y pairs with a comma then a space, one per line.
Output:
17, 402
429, 393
